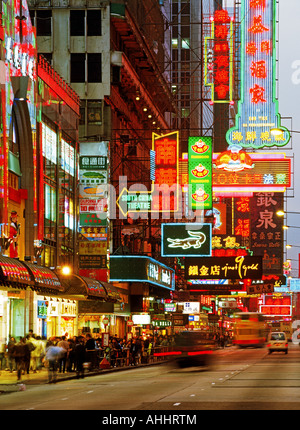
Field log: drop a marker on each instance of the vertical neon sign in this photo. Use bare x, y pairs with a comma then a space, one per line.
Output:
258, 107
219, 58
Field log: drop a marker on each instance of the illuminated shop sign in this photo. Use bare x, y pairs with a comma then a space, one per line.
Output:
266, 238
276, 310
239, 171
219, 58
42, 309
258, 108
182, 240
161, 323
166, 150
242, 267
200, 172
141, 269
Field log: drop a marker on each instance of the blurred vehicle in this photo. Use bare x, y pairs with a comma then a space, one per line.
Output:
250, 329
192, 348
277, 341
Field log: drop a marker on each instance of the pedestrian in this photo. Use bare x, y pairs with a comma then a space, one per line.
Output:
90, 348
79, 356
2, 354
20, 352
37, 354
31, 347
11, 364
53, 354
64, 344
134, 351
71, 357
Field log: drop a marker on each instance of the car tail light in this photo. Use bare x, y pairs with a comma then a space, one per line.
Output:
199, 352
169, 353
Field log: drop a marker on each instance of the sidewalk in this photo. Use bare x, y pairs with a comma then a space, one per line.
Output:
9, 383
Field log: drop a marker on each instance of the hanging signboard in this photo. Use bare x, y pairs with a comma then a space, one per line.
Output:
267, 231
219, 57
183, 240
258, 107
200, 172
242, 267
125, 268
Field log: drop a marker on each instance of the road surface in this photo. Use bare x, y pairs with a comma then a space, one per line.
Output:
240, 379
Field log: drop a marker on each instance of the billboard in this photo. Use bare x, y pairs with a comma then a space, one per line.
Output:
242, 267
186, 239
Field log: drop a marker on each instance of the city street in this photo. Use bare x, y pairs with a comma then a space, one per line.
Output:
240, 379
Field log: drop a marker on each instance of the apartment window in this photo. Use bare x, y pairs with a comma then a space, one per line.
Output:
77, 22
43, 22
94, 68
93, 23
77, 67
94, 111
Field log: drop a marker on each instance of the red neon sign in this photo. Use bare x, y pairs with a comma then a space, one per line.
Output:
221, 57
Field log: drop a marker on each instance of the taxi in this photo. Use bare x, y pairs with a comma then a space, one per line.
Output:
277, 341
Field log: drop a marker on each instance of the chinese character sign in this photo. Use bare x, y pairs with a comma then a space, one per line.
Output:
267, 231
219, 47
241, 267
166, 150
258, 107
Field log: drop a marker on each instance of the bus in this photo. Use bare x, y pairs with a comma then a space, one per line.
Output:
250, 329
285, 326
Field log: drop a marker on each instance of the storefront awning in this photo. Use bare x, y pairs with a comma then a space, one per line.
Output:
18, 274
15, 274
112, 293
45, 280
80, 286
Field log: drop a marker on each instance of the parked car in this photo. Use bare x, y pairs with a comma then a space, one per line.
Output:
277, 341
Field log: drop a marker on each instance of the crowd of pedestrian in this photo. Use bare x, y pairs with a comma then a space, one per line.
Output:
62, 354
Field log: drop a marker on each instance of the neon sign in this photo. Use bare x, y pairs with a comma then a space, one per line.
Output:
258, 107
241, 267
200, 172
186, 239
266, 171
219, 58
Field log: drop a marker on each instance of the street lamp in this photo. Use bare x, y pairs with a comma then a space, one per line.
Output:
282, 213
66, 270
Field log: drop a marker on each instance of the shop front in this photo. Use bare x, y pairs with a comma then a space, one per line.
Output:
105, 316
92, 305
23, 287
150, 283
